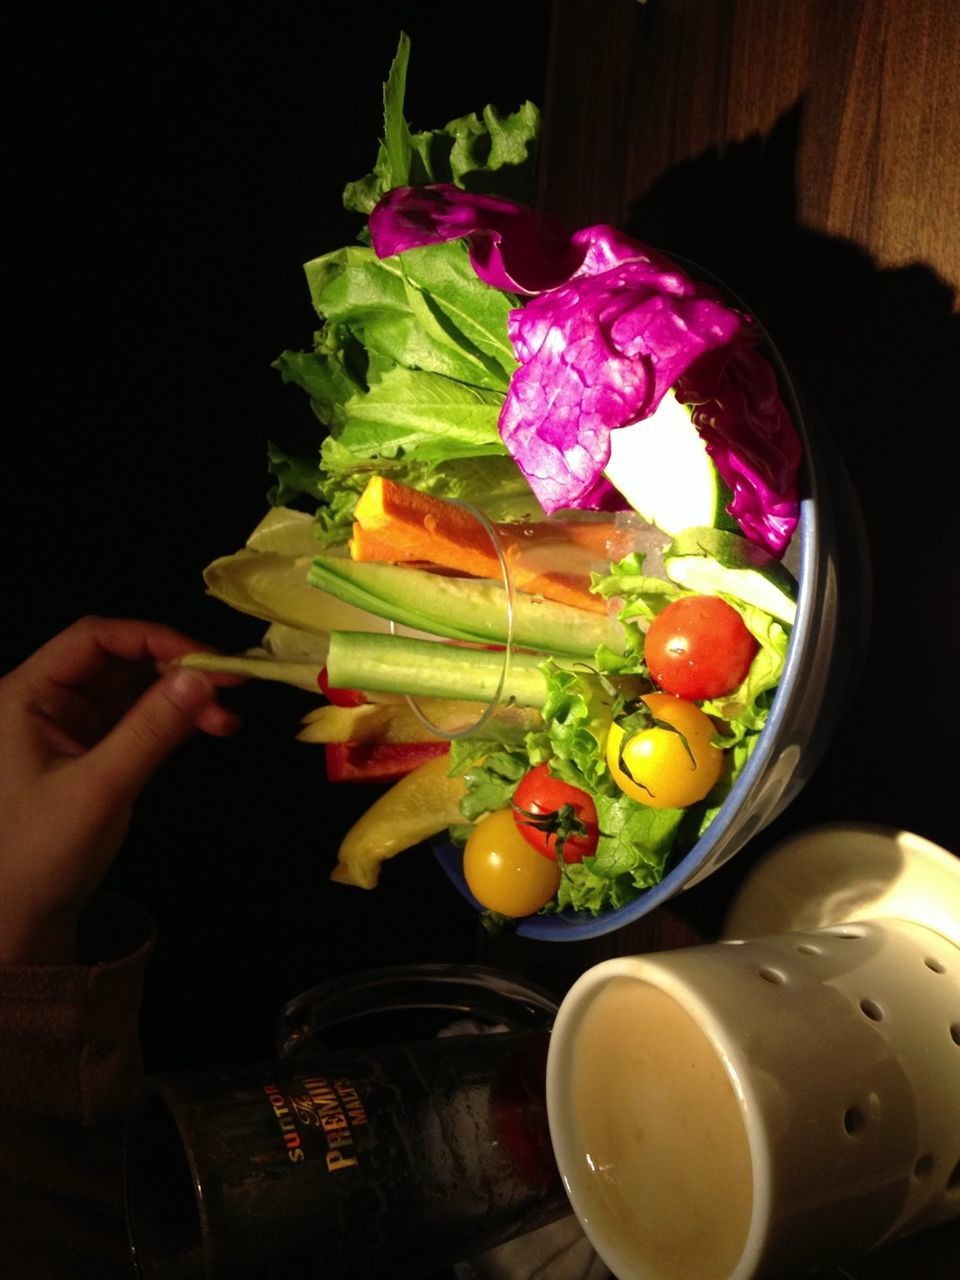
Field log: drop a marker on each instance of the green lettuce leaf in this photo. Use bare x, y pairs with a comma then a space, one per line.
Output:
450, 302
644, 596
491, 153
411, 411
428, 311
295, 478
412, 361
577, 715
324, 374
491, 777
635, 841
747, 707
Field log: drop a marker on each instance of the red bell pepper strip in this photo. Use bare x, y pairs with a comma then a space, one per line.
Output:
339, 697
378, 761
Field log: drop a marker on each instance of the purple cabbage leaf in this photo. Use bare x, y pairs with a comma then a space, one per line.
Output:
610, 325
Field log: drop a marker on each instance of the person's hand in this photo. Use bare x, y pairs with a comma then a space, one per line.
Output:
84, 722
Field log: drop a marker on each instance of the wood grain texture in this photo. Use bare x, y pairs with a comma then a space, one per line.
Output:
636, 89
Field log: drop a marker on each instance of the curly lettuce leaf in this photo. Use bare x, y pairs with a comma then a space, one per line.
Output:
491, 152
577, 715
636, 842
491, 777
632, 854
745, 709
643, 596
491, 483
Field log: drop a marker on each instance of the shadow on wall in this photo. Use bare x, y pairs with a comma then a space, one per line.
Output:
873, 349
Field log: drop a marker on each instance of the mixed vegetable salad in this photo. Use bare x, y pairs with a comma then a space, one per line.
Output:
534, 572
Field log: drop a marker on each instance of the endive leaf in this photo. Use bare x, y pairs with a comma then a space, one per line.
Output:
275, 588
285, 531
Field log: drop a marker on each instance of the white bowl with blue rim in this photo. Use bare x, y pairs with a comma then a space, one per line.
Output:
822, 664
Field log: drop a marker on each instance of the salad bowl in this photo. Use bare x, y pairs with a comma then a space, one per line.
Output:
824, 656
495, 391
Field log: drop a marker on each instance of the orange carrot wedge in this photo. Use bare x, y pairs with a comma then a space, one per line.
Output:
369, 544
410, 525
400, 525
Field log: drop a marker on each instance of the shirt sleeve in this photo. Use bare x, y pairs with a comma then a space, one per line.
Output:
70, 1065
70, 1034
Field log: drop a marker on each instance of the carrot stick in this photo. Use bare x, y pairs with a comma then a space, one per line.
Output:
369, 544
400, 525
415, 526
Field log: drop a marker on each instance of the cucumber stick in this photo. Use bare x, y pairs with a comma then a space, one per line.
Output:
662, 468
471, 609
429, 668
714, 561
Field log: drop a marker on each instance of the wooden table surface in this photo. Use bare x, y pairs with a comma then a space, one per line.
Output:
806, 153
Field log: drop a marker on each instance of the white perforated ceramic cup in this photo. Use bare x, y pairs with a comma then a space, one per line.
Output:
750, 1109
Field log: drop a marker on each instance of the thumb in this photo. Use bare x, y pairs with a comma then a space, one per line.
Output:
158, 722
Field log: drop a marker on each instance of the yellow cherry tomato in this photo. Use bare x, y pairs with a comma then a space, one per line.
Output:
503, 872
656, 767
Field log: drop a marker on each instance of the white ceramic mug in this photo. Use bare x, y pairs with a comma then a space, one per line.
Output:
757, 1108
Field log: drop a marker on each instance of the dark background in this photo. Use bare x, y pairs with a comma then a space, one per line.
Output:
168, 175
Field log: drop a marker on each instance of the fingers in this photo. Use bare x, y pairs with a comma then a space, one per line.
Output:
163, 718
217, 721
100, 665
84, 649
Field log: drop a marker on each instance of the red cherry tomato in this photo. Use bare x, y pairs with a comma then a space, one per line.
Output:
547, 810
698, 647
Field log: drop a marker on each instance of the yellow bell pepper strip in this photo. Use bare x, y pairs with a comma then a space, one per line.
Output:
370, 723
422, 804
398, 722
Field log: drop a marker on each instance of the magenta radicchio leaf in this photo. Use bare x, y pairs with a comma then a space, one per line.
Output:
612, 325
512, 247
748, 433
595, 354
